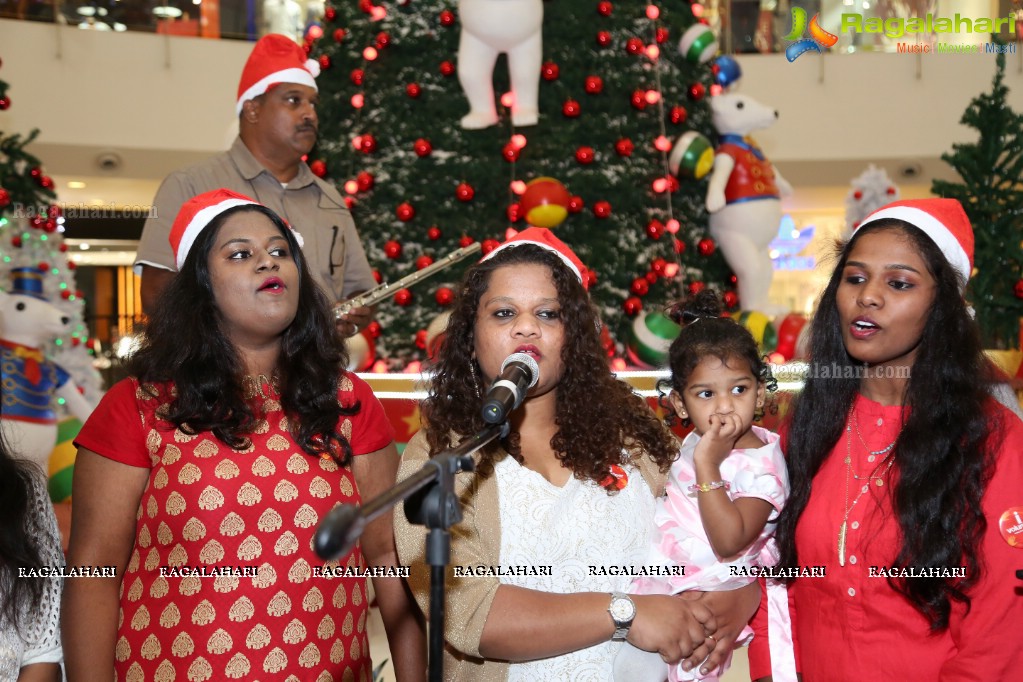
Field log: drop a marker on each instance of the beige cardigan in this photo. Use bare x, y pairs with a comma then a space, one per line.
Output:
476, 541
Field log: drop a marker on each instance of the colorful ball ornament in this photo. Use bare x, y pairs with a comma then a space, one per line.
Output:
319, 168
678, 115
324, 61
593, 85
571, 109
510, 152
584, 155
604, 8
696, 92
5, 197
545, 202
634, 46
364, 181
465, 240
726, 71
447, 18
433, 234
603, 38
576, 204
422, 147
403, 297
759, 325
367, 144
549, 71
640, 286
339, 34
638, 99
698, 44
706, 246
730, 298
405, 212
632, 306
662, 34
447, 68
692, 156
424, 261
788, 334
413, 90
655, 229
650, 338
392, 249
602, 209
464, 192
357, 76
489, 245
61, 465
514, 212
5, 103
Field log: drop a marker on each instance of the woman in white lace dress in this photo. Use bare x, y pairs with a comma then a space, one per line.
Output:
559, 514
29, 598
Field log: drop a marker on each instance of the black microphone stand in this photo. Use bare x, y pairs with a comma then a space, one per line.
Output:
436, 507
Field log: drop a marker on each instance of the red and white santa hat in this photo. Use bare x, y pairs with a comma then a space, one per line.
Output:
198, 212
275, 59
943, 220
545, 239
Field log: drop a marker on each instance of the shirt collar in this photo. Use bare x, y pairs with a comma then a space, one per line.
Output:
250, 167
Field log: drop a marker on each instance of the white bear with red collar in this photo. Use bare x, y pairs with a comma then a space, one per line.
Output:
30, 380
490, 27
744, 196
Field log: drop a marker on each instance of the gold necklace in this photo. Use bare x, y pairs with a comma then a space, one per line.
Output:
850, 474
261, 385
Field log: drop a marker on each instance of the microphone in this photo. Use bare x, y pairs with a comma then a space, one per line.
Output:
519, 373
338, 533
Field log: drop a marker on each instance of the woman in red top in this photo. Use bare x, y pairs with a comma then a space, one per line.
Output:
902, 467
201, 479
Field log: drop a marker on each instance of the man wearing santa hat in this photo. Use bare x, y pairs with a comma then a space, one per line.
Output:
277, 121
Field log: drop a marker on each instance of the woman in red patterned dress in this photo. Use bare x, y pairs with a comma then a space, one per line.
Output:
202, 477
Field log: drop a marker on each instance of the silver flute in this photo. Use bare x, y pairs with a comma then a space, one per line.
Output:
379, 293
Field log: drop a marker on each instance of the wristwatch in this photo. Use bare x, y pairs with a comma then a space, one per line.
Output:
622, 610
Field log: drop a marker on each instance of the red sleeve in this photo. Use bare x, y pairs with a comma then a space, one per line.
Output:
370, 428
115, 429
987, 636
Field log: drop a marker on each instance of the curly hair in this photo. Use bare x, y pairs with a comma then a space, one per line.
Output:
19, 545
945, 452
184, 344
592, 434
714, 336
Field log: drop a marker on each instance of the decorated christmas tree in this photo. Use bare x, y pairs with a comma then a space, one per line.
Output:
614, 95
32, 236
869, 191
990, 170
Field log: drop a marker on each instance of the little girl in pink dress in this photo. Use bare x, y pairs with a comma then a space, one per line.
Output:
724, 491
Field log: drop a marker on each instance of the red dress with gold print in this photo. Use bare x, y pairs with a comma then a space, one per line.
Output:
223, 583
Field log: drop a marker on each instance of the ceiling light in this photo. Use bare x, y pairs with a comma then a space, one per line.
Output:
167, 12
75, 184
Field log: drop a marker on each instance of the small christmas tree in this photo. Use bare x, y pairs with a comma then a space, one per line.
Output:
870, 190
614, 94
990, 169
31, 235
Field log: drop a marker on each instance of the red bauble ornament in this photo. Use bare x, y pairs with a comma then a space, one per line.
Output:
364, 181
412, 90
75, 341
319, 168
339, 35
662, 34
696, 92
654, 229
377, 277
5, 197
392, 249
638, 99
421, 339
324, 61
1018, 288
422, 147
571, 108
368, 144
632, 306
66, 294
447, 18
678, 115
634, 46
489, 245
62, 248
695, 287
575, 204
584, 155
680, 246
657, 266
46, 181
5, 103
465, 240
329, 13
549, 71
374, 329
44, 266
36, 172
510, 153
54, 211
651, 277
673, 184
514, 212
16, 241
624, 147
464, 192
706, 246
594, 85
640, 286
433, 234
447, 68
50, 225
444, 296
857, 195
307, 48
405, 212
357, 76
890, 191
604, 8
734, 280
403, 297
366, 6
603, 38
350, 203
602, 209
731, 299
383, 40
424, 261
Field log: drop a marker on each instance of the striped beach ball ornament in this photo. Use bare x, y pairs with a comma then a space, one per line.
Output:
698, 44
62, 460
760, 326
652, 334
692, 156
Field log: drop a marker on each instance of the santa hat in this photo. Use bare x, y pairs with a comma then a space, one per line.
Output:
275, 59
200, 211
545, 239
943, 220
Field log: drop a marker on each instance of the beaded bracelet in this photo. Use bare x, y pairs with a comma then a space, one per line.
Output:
707, 487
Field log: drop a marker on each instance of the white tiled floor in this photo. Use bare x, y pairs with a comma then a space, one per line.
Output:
739, 672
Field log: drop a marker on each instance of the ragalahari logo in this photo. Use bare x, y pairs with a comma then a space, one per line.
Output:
819, 38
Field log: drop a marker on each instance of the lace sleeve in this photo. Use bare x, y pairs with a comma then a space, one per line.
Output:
42, 631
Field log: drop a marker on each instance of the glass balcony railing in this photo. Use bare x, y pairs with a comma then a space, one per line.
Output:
744, 26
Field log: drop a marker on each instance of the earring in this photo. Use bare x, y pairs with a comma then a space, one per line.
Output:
475, 378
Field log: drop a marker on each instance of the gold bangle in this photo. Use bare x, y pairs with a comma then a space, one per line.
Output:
707, 487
